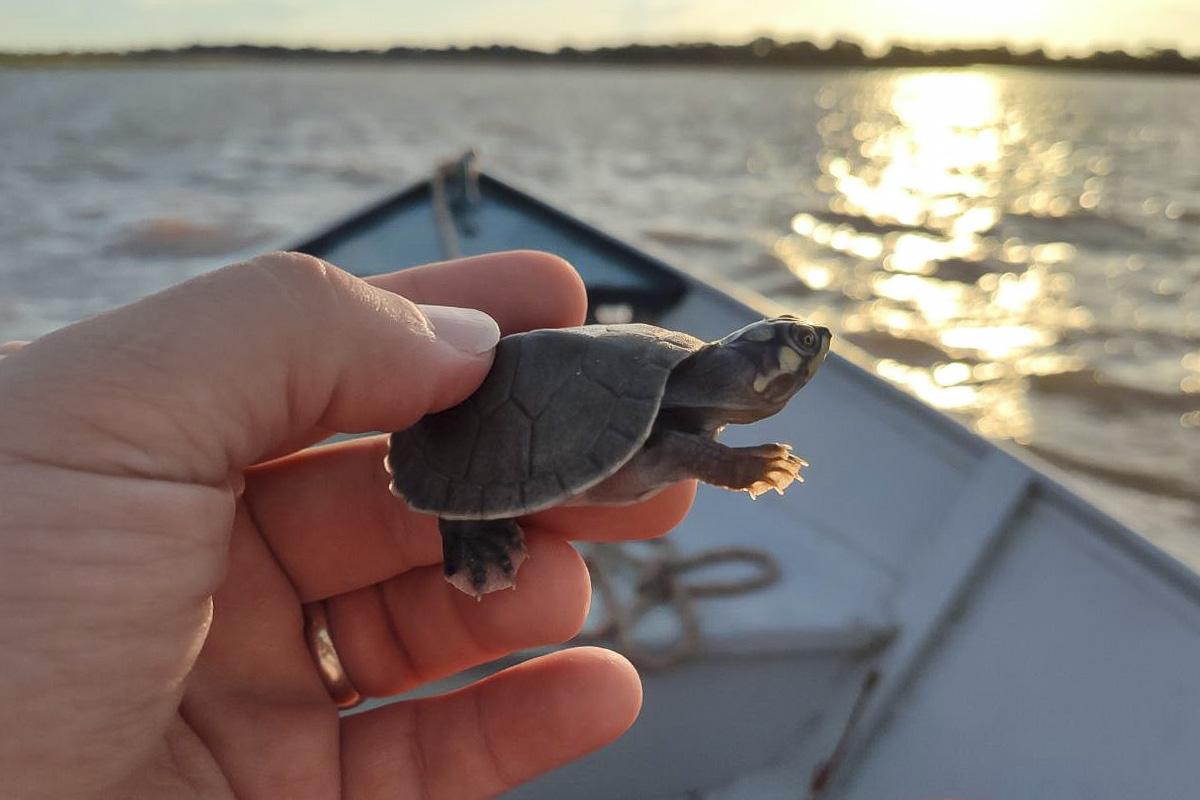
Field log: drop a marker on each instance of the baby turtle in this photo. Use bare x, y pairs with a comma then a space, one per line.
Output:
597, 415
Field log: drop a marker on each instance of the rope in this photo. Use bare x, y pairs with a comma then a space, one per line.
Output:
462, 178
660, 581
442, 216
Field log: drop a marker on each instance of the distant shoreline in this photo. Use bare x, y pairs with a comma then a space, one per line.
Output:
761, 52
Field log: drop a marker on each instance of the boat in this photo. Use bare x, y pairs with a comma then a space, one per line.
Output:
929, 616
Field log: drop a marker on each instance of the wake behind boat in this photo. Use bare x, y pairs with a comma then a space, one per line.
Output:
929, 616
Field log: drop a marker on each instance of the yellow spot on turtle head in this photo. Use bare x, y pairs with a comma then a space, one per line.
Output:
789, 359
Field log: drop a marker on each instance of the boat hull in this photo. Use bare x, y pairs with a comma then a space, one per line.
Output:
1015, 641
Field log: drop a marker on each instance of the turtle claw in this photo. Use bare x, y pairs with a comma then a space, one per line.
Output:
481, 556
494, 580
775, 467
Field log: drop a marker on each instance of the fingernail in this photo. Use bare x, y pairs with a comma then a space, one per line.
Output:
473, 332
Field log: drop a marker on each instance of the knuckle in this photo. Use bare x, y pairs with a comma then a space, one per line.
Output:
309, 282
296, 268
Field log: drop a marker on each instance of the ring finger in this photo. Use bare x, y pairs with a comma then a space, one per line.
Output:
412, 629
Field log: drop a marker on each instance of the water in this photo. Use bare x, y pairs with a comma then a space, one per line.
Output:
1019, 249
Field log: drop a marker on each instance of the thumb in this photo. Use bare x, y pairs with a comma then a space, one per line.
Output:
225, 370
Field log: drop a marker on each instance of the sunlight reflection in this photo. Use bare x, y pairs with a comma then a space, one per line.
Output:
996, 341
1017, 293
921, 383
915, 253
916, 182
939, 302
943, 101
943, 151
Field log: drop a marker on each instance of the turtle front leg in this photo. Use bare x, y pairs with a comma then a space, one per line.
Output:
481, 555
754, 470
672, 456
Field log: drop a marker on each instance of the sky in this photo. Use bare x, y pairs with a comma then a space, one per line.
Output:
1058, 25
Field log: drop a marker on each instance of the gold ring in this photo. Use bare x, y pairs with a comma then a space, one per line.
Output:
320, 644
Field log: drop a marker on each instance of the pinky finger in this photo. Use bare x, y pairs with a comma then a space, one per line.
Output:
493, 735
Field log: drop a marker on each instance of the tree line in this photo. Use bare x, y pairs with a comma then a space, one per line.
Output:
763, 51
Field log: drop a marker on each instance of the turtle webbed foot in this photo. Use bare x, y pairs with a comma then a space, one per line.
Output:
770, 466
753, 470
481, 555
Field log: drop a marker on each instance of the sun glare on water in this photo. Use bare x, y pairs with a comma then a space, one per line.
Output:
918, 181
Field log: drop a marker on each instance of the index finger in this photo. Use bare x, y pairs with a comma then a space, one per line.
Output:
520, 289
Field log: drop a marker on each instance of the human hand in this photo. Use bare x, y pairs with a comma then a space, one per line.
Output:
151, 579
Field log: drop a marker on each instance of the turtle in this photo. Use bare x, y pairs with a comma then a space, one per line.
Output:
597, 415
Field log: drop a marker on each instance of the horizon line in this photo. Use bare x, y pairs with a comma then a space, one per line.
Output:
830, 43
759, 52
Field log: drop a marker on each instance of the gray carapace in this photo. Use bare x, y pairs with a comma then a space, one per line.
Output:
600, 414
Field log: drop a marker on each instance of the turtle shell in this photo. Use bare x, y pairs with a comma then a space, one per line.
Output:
560, 411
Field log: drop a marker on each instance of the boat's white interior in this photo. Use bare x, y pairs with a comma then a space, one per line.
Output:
1025, 645
1040, 650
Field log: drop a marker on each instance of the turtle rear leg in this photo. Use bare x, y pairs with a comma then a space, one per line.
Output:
481, 555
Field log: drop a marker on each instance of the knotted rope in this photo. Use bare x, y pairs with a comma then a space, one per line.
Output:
661, 581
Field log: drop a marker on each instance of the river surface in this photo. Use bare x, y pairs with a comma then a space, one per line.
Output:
1020, 249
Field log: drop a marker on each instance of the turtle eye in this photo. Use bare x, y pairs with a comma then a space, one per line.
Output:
809, 340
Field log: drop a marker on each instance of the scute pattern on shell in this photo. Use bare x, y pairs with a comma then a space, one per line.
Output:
560, 411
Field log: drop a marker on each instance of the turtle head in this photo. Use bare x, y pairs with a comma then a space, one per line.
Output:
785, 352
746, 376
